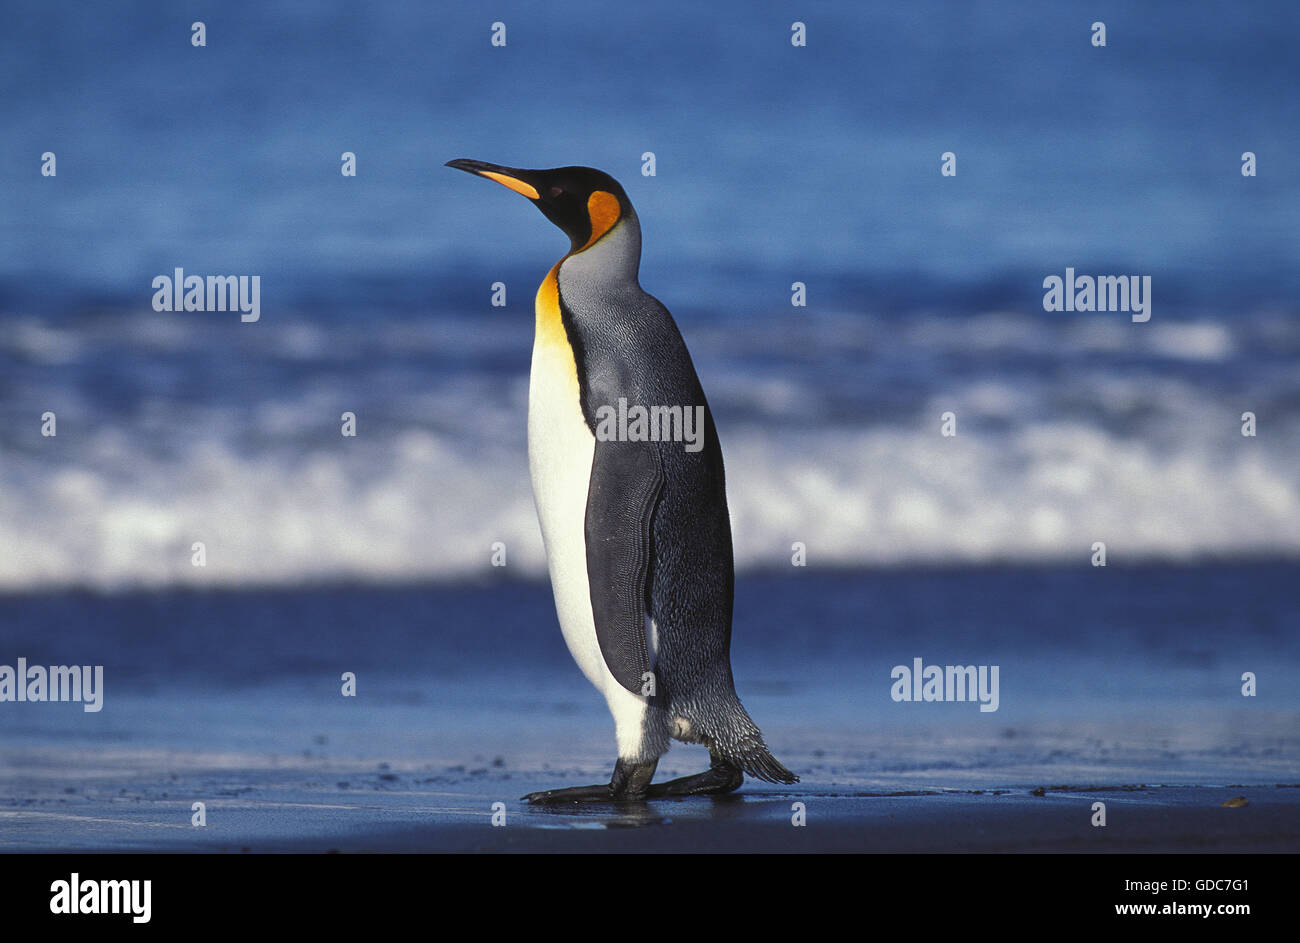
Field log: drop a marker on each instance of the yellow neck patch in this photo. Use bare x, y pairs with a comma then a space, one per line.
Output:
550, 324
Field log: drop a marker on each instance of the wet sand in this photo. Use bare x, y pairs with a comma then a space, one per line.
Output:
466, 698
137, 802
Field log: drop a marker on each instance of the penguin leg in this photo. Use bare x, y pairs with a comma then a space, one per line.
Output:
628, 784
721, 777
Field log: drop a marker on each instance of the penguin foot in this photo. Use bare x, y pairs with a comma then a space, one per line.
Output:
628, 784
631, 783
601, 792
718, 779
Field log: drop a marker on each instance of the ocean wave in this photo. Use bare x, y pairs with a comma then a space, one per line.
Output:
173, 431
427, 506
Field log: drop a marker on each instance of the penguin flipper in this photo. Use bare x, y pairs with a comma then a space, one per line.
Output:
626, 479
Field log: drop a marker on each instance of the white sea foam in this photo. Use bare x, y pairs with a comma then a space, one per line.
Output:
1069, 432
429, 506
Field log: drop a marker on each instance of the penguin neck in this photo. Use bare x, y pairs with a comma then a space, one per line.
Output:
606, 267
613, 259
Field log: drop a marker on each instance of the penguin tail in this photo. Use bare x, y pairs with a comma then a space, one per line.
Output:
755, 759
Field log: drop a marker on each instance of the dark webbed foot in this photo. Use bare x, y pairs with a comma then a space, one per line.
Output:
717, 780
631, 783
601, 792
628, 784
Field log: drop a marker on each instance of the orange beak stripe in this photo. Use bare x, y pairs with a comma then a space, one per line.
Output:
517, 185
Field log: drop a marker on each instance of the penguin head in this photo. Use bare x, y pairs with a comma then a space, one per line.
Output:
582, 201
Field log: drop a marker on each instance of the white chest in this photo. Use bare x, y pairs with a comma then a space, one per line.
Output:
560, 452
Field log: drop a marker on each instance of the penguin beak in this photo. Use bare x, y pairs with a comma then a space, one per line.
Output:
511, 177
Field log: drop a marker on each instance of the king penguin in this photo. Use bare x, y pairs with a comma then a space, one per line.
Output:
637, 535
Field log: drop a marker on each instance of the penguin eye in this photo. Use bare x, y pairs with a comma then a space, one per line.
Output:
556, 191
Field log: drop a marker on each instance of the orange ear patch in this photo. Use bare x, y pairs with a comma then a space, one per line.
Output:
603, 209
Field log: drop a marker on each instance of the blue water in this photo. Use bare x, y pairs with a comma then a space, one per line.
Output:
774, 164
1104, 676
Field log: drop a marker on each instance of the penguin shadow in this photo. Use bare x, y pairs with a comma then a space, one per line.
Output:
637, 813
599, 815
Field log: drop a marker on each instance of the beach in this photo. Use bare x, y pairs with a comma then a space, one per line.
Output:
466, 698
